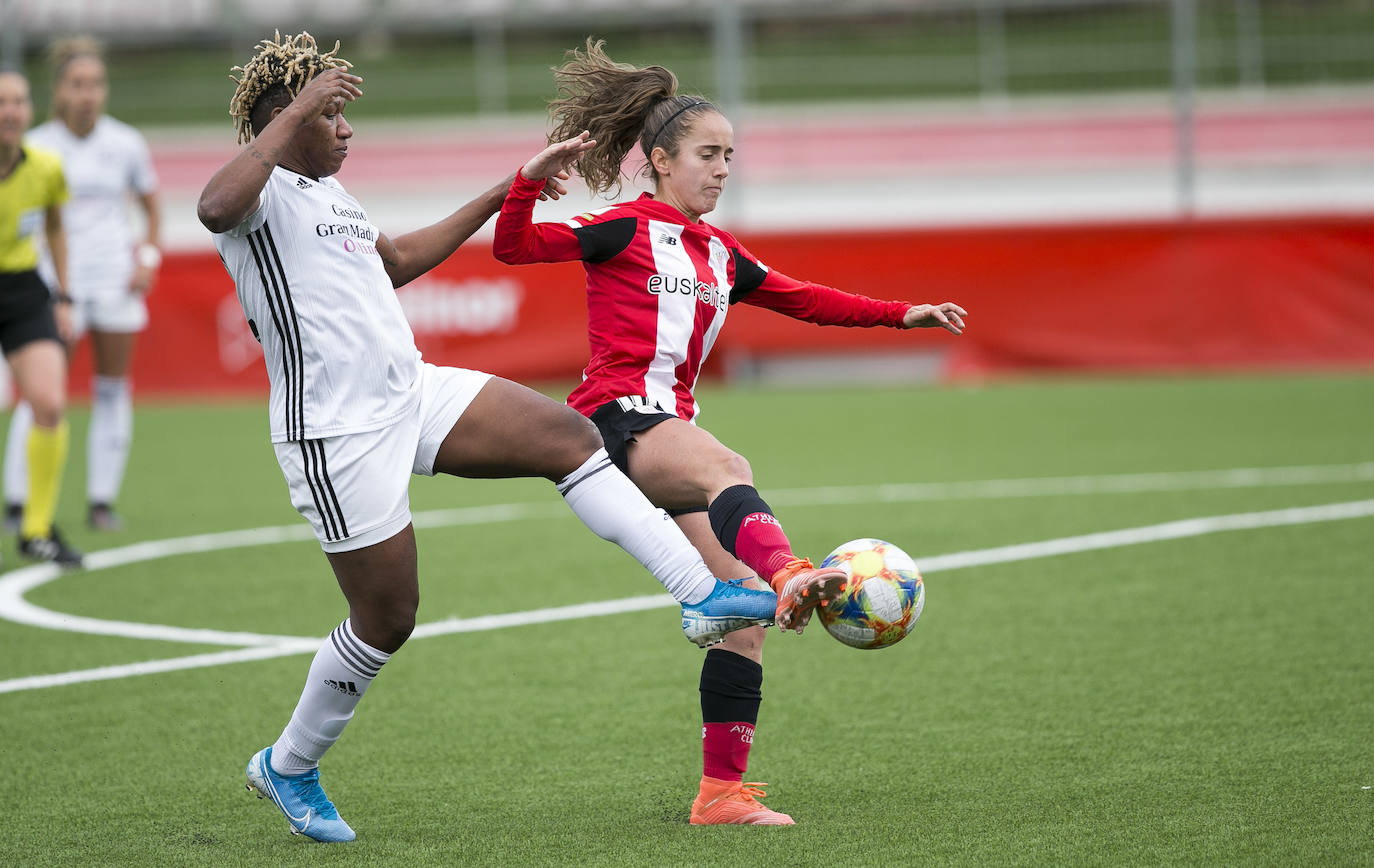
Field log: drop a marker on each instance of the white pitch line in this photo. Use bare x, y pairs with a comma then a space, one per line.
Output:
1005, 554
15, 584
1049, 486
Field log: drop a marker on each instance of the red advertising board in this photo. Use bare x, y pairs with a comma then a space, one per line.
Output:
1147, 296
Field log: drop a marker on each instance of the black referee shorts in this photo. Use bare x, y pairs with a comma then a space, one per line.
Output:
25, 310
619, 421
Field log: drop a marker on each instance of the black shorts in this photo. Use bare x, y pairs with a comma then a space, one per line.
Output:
25, 311
619, 421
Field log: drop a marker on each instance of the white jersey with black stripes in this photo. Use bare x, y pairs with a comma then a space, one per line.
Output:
340, 355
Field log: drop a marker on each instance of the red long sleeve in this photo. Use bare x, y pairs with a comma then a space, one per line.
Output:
519, 240
817, 303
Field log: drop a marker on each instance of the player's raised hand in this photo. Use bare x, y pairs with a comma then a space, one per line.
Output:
331, 87
555, 160
946, 315
554, 189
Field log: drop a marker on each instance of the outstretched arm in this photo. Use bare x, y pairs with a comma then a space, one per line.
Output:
411, 255
232, 193
825, 305
518, 239
408, 256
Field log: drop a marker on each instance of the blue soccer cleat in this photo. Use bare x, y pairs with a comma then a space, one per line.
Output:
300, 798
730, 607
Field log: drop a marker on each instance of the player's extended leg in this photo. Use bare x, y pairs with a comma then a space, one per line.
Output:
381, 584
510, 430
681, 465
731, 692
112, 426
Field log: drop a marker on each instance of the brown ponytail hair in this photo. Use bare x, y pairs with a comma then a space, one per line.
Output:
620, 104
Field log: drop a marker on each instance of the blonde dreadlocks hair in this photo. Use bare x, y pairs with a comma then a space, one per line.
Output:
277, 73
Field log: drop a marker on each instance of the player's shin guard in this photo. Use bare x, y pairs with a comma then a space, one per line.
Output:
339, 675
747, 529
615, 510
731, 692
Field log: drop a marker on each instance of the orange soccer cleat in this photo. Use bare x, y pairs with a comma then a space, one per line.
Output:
801, 588
732, 803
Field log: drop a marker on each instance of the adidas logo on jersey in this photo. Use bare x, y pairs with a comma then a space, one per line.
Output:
303, 184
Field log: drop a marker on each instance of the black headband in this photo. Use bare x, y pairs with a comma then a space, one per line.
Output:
672, 118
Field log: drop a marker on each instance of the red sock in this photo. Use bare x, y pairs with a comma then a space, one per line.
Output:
725, 749
762, 545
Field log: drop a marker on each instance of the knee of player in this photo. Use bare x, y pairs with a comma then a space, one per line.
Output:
391, 624
578, 439
47, 411
730, 468
746, 643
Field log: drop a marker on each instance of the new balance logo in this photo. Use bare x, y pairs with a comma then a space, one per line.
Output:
346, 687
303, 184
667, 239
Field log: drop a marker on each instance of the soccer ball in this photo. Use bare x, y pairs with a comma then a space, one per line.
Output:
883, 598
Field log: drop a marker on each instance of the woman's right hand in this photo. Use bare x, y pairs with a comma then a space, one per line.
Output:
331, 87
558, 157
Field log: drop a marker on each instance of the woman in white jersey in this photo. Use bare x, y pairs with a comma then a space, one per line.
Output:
660, 284
109, 266
354, 411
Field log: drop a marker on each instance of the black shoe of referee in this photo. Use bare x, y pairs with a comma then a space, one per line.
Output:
50, 548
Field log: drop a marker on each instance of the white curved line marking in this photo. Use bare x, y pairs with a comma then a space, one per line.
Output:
15, 584
19, 582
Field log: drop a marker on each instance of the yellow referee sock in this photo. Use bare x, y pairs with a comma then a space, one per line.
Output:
47, 458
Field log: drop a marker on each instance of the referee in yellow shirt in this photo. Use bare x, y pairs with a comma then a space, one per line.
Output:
33, 320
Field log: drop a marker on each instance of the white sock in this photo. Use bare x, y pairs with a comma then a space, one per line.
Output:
17, 454
615, 510
343, 668
107, 444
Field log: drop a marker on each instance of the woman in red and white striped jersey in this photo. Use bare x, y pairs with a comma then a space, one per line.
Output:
660, 283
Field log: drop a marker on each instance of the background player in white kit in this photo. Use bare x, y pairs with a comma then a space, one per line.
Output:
354, 411
107, 164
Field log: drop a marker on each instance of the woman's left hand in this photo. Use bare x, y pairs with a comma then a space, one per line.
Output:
142, 280
947, 315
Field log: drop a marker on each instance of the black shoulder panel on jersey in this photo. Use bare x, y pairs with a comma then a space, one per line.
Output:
748, 276
602, 241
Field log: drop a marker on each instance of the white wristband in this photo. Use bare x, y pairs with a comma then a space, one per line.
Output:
148, 256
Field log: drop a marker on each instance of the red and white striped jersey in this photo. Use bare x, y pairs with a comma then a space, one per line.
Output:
659, 287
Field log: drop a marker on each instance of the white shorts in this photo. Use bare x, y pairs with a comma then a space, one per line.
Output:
354, 489
110, 312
